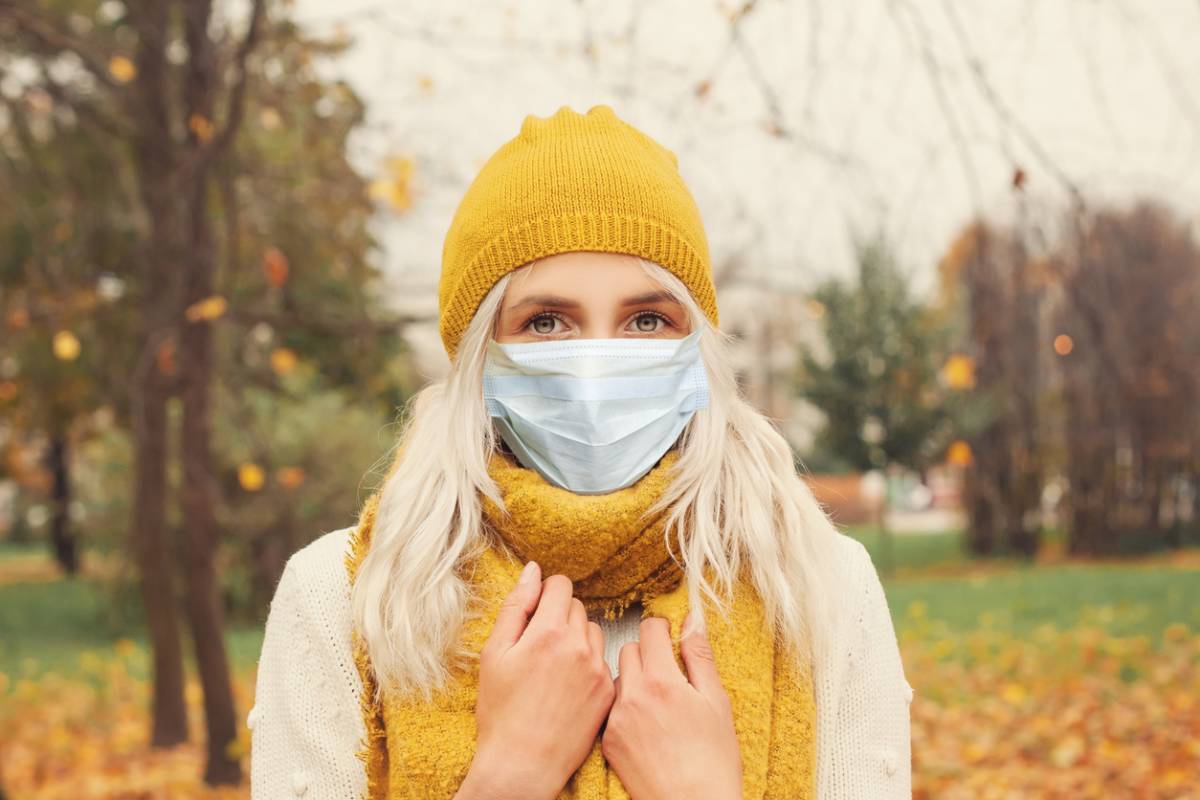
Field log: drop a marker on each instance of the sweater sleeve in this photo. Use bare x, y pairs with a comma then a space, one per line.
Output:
305, 723
870, 756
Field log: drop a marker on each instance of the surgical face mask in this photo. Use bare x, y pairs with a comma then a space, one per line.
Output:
594, 415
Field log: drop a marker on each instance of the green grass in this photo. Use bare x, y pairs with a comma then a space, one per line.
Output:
47, 625
1125, 600
912, 551
934, 580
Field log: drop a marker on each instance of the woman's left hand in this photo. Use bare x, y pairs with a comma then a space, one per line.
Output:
667, 735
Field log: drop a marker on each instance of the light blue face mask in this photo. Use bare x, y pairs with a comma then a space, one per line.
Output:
594, 415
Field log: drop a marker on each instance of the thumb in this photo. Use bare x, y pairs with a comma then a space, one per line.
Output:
700, 660
517, 607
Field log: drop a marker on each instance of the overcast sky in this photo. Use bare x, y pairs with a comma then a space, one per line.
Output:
908, 114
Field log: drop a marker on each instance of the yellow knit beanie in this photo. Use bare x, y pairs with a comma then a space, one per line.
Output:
566, 183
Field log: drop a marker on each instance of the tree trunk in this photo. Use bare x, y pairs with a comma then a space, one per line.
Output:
151, 387
61, 536
199, 494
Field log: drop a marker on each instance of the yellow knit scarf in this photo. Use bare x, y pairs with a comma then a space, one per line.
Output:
615, 555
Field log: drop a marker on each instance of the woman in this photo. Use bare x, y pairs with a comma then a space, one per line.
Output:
591, 570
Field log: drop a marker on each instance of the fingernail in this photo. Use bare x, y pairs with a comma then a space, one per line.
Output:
527, 573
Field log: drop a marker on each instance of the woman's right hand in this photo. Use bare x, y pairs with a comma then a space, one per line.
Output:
544, 691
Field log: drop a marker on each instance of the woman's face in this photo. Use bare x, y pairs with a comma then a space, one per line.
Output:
587, 295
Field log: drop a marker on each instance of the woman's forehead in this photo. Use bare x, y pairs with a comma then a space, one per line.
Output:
581, 275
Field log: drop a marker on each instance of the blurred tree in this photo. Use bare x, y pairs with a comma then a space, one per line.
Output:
1128, 341
59, 226
997, 291
1086, 341
231, 238
877, 376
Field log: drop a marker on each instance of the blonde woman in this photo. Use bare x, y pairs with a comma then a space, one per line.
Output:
591, 570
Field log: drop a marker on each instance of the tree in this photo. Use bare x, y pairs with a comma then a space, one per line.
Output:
878, 380
998, 291
1128, 339
162, 89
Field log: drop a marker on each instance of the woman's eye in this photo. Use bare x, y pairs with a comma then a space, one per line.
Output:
647, 323
543, 325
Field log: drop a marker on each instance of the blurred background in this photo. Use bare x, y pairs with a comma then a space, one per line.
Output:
958, 243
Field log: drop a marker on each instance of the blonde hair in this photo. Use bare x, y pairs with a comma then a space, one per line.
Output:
735, 502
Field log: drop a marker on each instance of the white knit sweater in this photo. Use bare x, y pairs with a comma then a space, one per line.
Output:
306, 725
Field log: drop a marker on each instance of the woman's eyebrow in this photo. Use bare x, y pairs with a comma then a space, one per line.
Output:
555, 301
551, 300
661, 296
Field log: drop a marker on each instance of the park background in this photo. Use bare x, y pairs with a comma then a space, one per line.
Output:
958, 244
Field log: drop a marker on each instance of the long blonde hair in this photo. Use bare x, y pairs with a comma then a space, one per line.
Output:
736, 501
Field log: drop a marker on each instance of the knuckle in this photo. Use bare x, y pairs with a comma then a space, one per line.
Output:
577, 649
700, 648
559, 579
656, 686
549, 637
512, 601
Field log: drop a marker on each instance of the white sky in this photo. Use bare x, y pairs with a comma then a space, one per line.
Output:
1106, 88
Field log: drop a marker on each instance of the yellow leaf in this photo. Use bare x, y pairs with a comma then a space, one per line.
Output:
959, 454
1014, 694
121, 69
202, 126
270, 118
250, 476
1067, 752
207, 309
283, 360
959, 372
396, 188
66, 346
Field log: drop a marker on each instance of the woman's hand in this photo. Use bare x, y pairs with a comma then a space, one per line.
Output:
669, 736
544, 689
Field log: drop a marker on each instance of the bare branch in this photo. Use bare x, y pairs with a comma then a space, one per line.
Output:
934, 73
235, 105
1001, 109
53, 39
86, 110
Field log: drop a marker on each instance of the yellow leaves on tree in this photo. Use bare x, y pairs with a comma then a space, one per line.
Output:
283, 360
959, 372
201, 126
251, 476
121, 69
395, 188
66, 346
208, 309
959, 454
